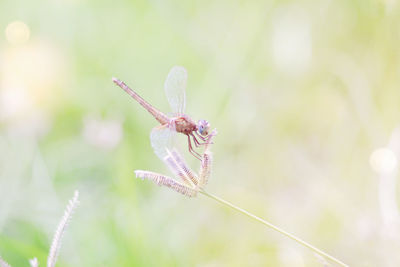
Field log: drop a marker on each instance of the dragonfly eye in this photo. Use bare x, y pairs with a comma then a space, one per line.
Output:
203, 126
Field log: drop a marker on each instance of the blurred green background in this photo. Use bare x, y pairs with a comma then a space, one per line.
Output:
305, 96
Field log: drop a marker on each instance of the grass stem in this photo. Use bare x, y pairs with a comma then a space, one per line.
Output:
276, 228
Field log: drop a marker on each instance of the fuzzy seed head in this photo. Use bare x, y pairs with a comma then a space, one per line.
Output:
56, 244
167, 181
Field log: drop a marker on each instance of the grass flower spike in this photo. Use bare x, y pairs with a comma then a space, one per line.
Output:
190, 183
34, 262
56, 244
3, 263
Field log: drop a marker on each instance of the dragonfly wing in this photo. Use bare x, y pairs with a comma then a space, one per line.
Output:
175, 86
161, 139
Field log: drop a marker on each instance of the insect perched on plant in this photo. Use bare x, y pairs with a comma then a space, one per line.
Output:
175, 86
188, 183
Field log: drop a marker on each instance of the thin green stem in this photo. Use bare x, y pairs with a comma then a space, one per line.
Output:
276, 228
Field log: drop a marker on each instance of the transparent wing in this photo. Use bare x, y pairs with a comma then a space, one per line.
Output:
175, 86
161, 139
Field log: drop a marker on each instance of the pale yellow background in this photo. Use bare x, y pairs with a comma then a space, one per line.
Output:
305, 96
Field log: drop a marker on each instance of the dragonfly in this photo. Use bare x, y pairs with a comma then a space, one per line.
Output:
162, 135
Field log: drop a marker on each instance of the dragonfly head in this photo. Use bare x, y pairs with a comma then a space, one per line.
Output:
203, 126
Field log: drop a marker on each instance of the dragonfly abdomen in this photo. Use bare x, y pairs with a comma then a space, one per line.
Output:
157, 114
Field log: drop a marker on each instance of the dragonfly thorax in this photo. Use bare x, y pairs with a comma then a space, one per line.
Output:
184, 125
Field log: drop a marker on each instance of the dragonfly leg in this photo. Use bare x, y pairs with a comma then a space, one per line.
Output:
200, 136
191, 150
196, 142
204, 138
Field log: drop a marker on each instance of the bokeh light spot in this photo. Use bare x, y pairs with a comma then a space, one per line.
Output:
383, 160
291, 41
17, 32
13, 101
102, 133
